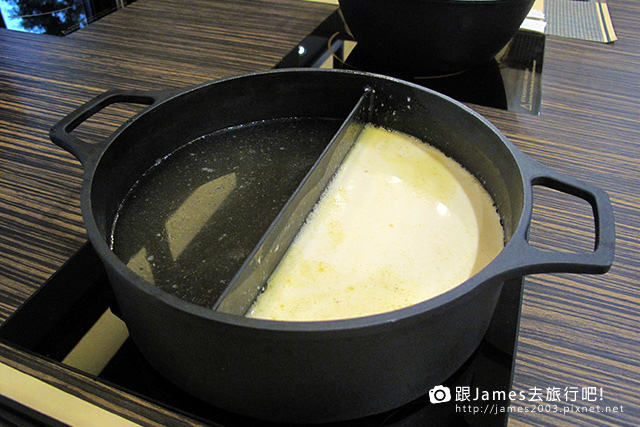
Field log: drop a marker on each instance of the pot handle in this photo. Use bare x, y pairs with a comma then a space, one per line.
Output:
85, 151
528, 259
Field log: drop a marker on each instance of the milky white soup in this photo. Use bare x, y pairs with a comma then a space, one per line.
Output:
399, 223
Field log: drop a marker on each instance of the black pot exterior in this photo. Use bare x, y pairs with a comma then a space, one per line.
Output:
434, 36
305, 374
310, 371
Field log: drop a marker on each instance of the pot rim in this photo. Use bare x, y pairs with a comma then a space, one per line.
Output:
402, 314
502, 267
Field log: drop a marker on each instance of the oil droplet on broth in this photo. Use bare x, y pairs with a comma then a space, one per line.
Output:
412, 223
188, 224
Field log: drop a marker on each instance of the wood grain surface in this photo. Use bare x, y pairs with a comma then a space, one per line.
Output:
580, 330
575, 331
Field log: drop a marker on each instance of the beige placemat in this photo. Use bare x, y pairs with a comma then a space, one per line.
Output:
579, 19
55, 403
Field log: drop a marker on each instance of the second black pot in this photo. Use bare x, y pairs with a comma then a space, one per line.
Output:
434, 36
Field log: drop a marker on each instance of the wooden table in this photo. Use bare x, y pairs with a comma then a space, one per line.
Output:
576, 330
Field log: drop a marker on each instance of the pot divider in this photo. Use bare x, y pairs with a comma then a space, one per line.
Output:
250, 280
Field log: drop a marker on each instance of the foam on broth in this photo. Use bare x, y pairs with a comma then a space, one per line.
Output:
400, 223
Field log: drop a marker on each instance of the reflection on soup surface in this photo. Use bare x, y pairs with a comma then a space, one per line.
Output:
188, 224
400, 223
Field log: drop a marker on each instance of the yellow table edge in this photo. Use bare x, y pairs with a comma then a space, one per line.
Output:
53, 402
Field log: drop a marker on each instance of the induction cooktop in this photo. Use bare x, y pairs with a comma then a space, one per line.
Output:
72, 320
510, 81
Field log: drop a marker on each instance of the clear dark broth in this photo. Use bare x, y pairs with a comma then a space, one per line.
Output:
190, 221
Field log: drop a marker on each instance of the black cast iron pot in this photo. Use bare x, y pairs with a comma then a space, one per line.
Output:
434, 36
327, 370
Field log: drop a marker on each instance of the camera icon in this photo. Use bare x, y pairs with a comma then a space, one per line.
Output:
439, 394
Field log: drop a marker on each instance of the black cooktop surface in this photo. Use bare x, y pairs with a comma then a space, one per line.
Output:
511, 81
60, 316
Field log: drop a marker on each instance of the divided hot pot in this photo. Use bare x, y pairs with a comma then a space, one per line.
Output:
316, 371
